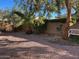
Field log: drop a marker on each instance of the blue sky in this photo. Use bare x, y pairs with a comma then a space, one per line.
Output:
63, 12
6, 4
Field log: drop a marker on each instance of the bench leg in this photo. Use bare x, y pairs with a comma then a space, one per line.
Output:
69, 34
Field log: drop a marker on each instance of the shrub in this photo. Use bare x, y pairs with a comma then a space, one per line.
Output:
39, 25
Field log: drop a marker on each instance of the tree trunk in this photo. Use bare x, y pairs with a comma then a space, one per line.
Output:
66, 25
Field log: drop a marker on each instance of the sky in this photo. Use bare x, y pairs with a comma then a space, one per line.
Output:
6, 4
63, 12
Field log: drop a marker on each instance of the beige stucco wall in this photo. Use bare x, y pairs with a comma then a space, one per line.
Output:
52, 28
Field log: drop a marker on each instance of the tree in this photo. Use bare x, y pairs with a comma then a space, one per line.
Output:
69, 5
29, 7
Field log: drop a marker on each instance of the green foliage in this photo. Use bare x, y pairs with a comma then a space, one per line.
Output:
27, 8
53, 7
30, 21
39, 25
74, 39
74, 19
38, 21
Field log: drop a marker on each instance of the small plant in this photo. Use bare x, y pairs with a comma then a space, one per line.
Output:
6, 26
74, 39
39, 24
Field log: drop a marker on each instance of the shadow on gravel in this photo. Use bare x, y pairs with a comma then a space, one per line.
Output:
34, 52
25, 53
38, 38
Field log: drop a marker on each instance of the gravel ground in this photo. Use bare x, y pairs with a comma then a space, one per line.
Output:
22, 46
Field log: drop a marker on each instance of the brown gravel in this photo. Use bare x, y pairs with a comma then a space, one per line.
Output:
22, 46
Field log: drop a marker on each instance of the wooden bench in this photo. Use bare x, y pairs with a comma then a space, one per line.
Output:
73, 32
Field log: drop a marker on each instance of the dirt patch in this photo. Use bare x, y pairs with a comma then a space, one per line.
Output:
22, 46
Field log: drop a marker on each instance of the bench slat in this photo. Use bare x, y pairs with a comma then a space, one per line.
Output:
73, 32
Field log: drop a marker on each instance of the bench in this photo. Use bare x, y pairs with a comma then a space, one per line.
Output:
73, 32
